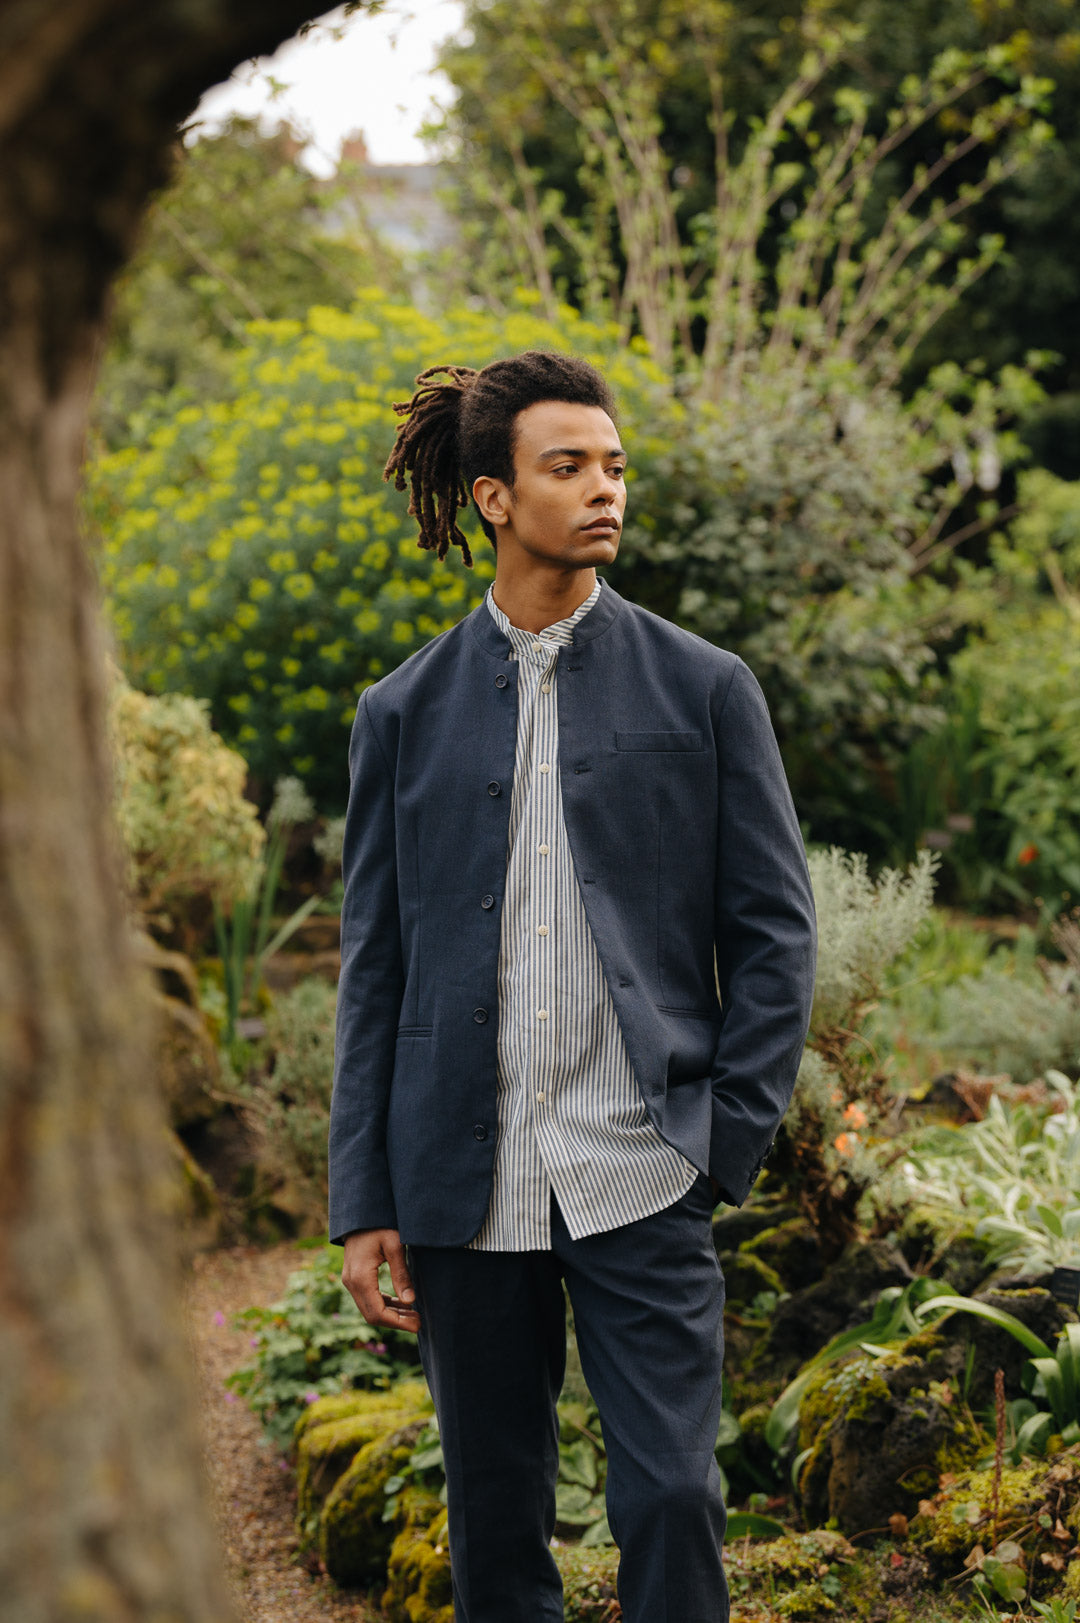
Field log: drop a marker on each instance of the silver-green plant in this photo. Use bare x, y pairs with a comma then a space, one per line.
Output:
1017, 1172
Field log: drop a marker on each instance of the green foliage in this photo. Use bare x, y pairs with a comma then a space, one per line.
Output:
995, 786
1008, 1018
862, 269
243, 231
313, 1341
188, 831
778, 524
243, 929
288, 1103
825, 1156
253, 554
1017, 1172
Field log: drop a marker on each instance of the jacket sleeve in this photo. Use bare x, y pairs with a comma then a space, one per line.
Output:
766, 941
370, 993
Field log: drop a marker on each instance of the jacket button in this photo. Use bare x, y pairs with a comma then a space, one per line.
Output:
487, 901
501, 681
494, 787
479, 1132
480, 1016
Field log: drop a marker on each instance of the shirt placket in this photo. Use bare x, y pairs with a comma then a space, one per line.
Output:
539, 917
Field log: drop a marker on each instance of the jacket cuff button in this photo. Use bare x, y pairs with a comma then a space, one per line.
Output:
501, 680
480, 1016
479, 1132
487, 901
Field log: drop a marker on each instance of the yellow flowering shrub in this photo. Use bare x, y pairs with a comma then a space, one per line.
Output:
186, 827
254, 557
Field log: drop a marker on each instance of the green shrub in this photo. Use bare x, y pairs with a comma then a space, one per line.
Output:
777, 524
187, 829
313, 1342
288, 1105
825, 1154
253, 554
1005, 1020
1017, 1173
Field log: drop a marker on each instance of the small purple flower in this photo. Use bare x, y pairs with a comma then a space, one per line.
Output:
283, 1465
219, 1317
379, 1347
311, 1397
254, 1341
230, 1397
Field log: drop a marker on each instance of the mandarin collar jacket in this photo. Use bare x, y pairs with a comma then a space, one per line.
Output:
692, 872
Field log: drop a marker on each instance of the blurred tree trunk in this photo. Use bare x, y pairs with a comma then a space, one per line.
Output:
101, 1510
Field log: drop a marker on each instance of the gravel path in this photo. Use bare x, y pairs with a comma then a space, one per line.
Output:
252, 1495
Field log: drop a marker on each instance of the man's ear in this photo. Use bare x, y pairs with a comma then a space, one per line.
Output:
492, 499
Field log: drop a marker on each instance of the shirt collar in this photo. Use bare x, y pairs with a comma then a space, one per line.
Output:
561, 634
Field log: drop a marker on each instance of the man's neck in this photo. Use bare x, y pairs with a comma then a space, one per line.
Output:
538, 602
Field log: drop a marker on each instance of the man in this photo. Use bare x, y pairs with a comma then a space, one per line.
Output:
577, 964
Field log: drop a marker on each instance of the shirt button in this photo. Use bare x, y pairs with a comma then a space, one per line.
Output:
543, 850
538, 648
541, 929
501, 681
540, 1098
479, 1132
545, 766
487, 901
494, 787
480, 1016
541, 1014
545, 687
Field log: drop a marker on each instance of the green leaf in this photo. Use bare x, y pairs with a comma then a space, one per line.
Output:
748, 1524
984, 1310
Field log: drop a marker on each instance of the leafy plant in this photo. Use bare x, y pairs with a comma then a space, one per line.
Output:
243, 928
287, 1101
252, 552
311, 1342
1017, 1171
825, 1156
187, 829
900, 1312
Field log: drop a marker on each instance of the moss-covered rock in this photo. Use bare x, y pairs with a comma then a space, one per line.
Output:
881, 1430
791, 1249
747, 1276
789, 1572
354, 1540
938, 1240
844, 1296
1038, 1507
411, 1395
589, 1583
418, 1571
328, 1447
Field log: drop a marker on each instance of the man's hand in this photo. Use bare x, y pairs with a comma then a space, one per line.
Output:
365, 1251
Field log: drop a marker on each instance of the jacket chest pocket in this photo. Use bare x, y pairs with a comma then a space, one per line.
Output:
658, 741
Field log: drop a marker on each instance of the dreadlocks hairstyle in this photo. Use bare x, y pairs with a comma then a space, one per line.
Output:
464, 426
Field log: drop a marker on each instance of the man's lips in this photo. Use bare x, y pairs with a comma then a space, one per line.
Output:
601, 526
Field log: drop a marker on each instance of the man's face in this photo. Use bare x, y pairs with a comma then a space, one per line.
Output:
569, 492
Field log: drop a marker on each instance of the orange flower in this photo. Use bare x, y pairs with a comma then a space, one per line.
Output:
855, 1115
1029, 853
845, 1143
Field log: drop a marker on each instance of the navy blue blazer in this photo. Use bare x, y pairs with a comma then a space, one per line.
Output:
693, 876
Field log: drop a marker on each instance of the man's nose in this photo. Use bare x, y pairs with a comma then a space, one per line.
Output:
605, 488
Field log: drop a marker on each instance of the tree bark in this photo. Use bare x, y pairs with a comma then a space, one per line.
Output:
102, 1515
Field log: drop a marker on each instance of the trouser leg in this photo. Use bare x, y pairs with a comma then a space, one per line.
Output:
493, 1346
648, 1303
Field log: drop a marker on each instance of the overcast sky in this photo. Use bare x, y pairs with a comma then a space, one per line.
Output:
377, 77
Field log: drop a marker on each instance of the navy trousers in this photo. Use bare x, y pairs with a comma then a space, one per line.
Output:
648, 1305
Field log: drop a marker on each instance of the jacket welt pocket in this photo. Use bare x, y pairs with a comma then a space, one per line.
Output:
414, 1031
658, 741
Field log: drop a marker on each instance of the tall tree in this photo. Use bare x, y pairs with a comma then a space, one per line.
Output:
102, 1518
513, 136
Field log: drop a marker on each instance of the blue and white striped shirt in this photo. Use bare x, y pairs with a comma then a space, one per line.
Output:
570, 1113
